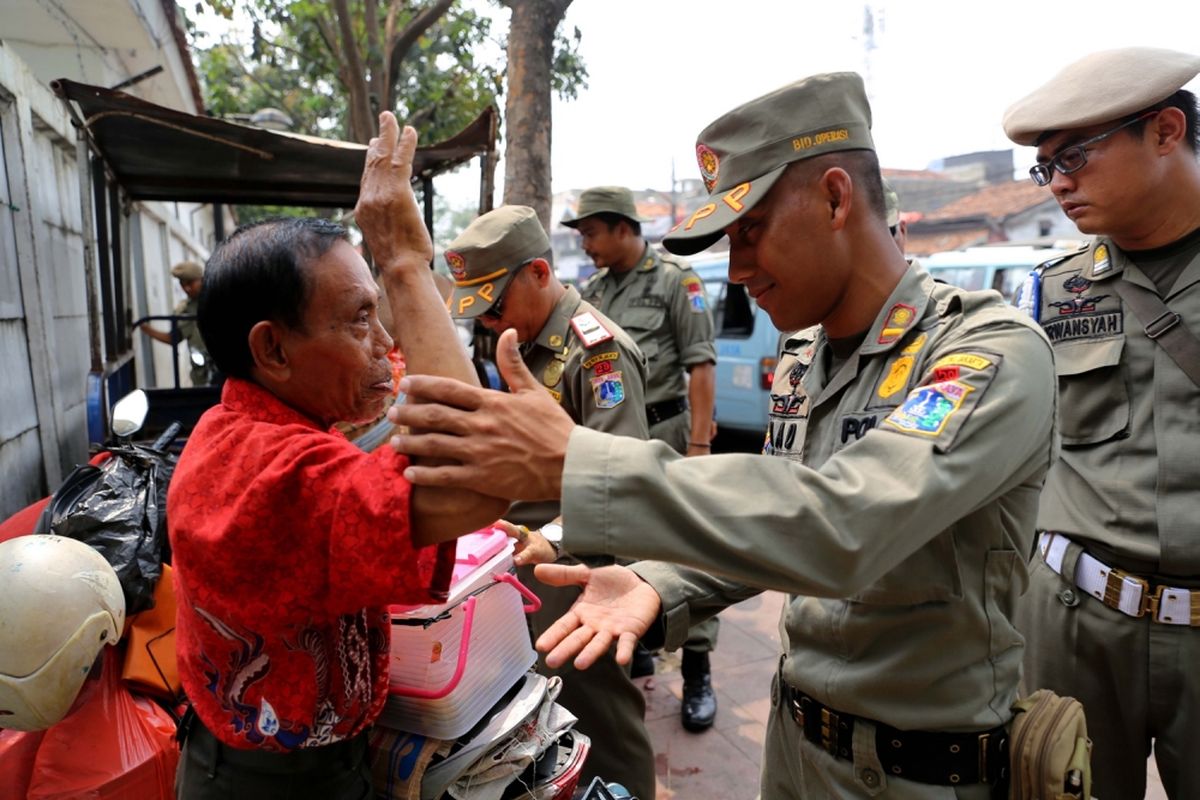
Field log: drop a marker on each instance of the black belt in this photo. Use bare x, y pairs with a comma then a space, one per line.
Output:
923, 756
206, 747
661, 412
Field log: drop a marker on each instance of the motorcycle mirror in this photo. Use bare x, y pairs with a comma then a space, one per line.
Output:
197, 359
129, 413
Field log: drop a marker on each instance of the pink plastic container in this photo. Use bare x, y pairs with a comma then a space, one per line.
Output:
451, 662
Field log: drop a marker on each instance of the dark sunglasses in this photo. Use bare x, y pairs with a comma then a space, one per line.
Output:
496, 311
1071, 159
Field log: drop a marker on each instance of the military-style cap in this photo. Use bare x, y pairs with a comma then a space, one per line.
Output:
1101, 87
188, 271
891, 204
604, 199
744, 152
484, 257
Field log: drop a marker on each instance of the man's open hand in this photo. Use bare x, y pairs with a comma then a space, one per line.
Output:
616, 606
506, 445
387, 210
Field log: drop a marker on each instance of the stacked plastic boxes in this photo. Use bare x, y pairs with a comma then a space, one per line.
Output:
453, 661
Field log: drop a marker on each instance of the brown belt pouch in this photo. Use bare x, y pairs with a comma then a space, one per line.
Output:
1049, 748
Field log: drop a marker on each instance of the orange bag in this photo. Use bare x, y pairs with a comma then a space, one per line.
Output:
150, 666
113, 746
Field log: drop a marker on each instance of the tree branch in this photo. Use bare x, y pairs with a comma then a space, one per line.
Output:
361, 124
400, 43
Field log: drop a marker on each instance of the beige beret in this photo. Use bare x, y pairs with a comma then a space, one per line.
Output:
1098, 88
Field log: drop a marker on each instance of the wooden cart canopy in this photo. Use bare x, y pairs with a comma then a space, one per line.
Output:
159, 153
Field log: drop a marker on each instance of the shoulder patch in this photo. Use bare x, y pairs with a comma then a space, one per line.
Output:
697, 301
900, 318
608, 389
590, 330
928, 409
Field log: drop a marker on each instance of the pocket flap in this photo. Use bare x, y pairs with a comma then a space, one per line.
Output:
1077, 357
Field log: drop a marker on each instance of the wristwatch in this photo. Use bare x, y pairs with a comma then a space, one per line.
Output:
552, 533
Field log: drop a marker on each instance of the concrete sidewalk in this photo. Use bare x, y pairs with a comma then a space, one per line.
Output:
723, 762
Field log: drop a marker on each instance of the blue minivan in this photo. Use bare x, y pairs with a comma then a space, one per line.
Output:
747, 344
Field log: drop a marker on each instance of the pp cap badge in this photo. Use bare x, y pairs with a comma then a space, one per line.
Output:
485, 256
744, 152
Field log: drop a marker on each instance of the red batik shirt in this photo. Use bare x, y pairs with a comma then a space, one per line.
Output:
288, 544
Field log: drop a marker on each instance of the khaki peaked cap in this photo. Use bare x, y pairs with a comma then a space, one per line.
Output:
1100, 87
891, 205
604, 200
187, 271
484, 257
742, 153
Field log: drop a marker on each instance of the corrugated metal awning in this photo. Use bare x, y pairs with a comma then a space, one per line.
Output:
159, 153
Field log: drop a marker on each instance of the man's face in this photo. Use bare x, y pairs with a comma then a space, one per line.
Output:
338, 366
603, 245
775, 250
192, 287
1104, 195
516, 307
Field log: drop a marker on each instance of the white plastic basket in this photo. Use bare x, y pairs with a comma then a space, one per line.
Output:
452, 662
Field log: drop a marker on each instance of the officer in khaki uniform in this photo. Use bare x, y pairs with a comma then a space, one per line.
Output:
1112, 616
191, 280
910, 436
662, 304
596, 373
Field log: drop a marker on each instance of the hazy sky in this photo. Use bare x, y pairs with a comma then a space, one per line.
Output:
939, 76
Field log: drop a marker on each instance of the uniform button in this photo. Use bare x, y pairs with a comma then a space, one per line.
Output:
1068, 598
870, 778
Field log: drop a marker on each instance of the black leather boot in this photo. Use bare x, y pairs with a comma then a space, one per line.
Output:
643, 662
699, 702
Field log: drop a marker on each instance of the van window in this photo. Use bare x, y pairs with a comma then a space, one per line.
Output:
963, 277
732, 308
1008, 280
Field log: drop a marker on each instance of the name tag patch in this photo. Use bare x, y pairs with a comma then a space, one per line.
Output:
1085, 326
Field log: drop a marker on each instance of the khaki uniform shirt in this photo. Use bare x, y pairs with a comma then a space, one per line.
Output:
1127, 485
660, 303
601, 387
189, 331
897, 513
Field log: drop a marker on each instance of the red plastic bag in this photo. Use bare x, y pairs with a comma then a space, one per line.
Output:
113, 746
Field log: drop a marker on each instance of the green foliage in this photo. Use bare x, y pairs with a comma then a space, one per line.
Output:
568, 73
291, 60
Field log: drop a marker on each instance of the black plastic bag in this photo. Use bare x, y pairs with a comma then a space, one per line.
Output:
120, 509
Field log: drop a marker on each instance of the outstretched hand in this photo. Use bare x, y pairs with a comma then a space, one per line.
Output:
511, 445
387, 210
616, 605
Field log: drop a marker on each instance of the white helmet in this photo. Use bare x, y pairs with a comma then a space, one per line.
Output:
60, 603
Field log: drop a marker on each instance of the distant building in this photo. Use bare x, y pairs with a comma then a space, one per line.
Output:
1018, 212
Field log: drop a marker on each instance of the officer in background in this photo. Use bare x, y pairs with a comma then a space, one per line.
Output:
595, 372
191, 280
661, 303
896, 226
1112, 616
898, 510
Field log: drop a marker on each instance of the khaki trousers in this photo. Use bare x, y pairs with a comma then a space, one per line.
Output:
1138, 680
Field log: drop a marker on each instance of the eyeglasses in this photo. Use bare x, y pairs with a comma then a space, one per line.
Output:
497, 309
1071, 159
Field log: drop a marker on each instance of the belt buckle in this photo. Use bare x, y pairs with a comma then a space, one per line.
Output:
797, 708
1151, 603
1112, 591
829, 731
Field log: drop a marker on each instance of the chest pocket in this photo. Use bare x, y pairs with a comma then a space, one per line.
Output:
1093, 400
643, 323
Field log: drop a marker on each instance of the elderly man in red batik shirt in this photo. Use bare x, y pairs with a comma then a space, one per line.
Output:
289, 541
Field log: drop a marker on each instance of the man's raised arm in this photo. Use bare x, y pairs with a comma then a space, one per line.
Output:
391, 223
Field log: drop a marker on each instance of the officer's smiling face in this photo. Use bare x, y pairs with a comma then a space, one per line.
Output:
774, 251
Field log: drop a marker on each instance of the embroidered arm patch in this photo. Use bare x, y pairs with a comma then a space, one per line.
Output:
952, 386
